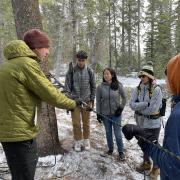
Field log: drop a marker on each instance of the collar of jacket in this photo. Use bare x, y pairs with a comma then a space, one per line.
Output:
176, 99
105, 83
146, 86
77, 68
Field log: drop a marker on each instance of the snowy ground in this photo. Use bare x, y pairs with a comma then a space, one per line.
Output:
89, 164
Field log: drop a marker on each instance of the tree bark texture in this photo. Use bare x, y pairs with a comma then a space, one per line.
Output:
74, 21
26, 15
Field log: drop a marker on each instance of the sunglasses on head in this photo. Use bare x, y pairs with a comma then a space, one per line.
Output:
142, 76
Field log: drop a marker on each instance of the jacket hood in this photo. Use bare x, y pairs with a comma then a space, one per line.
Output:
173, 74
18, 48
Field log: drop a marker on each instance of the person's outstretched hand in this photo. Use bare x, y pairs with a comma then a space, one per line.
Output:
78, 102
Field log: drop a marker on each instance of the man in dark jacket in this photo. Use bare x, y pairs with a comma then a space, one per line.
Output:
166, 157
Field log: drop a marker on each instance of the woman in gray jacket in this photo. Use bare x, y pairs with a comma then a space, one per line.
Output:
110, 102
146, 101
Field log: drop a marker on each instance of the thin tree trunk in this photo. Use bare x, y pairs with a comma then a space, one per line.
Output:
115, 37
123, 35
110, 46
73, 14
152, 31
129, 35
138, 35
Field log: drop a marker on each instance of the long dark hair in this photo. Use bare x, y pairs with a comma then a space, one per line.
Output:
115, 83
150, 82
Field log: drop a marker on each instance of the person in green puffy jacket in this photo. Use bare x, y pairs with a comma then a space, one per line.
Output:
23, 87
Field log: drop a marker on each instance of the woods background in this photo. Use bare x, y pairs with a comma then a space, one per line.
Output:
124, 34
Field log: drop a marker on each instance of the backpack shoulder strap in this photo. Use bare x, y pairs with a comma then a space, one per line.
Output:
71, 72
150, 93
138, 90
89, 71
90, 74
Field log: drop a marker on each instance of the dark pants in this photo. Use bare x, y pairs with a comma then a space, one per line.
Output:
151, 135
21, 158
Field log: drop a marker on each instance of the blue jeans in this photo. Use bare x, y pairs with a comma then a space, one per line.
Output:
117, 132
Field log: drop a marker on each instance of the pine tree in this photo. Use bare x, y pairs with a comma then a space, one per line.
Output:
177, 28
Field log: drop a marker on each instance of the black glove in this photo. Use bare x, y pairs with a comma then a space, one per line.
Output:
78, 102
99, 118
131, 130
118, 111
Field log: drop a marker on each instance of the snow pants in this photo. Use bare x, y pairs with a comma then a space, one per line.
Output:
21, 158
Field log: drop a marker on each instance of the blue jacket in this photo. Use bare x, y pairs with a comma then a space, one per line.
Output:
169, 166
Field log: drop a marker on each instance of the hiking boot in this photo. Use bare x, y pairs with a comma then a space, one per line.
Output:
121, 156
110, 152
154, 173
87, 145
143, 167
77, 146
107, 153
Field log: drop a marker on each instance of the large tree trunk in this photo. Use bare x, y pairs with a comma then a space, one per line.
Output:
1, 52
27, 16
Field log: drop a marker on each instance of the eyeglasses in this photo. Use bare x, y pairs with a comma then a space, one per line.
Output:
142, 76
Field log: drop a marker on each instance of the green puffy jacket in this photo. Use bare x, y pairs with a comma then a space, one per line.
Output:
22, 87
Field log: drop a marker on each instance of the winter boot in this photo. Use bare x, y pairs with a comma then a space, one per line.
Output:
154, 173
77, 146
87, 145
110, 152
143, 167
121, 156
107, 153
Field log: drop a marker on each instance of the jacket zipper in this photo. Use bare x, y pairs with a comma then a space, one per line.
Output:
109, 102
